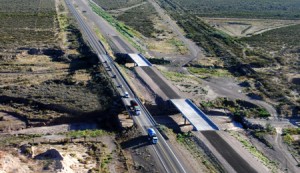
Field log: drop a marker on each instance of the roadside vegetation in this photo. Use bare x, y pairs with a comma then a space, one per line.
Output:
140, 18
141, 26
196, 148
291, 136
237, 108
126, 31
255, 152
209, 72
193, 144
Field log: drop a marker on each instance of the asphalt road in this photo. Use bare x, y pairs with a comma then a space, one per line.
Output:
168, 91
162, 150
123, 44
228, 153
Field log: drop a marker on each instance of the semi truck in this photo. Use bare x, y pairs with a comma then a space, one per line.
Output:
152, 136
135, 107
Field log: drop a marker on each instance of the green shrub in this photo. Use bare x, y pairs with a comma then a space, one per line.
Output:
288, 139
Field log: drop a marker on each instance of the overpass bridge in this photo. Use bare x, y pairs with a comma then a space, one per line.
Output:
139, 60
194, 115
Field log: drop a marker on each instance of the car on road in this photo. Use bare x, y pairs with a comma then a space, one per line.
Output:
135, 107
113, 76
126, 95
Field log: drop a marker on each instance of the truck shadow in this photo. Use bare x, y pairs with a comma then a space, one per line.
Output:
134, 143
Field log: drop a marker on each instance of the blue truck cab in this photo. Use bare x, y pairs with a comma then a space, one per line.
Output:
152, 136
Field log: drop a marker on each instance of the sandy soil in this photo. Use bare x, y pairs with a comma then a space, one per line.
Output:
165, 43
56, 129
65, 158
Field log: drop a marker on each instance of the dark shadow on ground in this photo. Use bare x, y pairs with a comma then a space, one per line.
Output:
168, 122
82, 126
137, 142
16, 115
53, 159
49, 154
215, 113
254, 96
295, 121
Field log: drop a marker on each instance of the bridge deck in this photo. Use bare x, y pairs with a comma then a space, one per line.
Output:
140, 60
195, 116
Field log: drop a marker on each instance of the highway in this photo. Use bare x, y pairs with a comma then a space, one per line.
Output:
164, 153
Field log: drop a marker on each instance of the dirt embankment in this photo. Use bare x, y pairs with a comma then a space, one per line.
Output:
101, 154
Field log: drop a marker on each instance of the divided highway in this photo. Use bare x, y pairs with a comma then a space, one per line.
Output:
162, 150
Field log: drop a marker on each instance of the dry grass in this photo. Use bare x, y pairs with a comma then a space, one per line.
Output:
165, 41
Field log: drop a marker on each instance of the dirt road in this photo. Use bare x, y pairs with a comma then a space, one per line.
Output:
229, 88
194, 50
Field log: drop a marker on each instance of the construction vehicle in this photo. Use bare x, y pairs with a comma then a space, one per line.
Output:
135, 107
152, 136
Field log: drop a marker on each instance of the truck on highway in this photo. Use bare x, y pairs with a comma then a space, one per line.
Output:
135, 107
152, 136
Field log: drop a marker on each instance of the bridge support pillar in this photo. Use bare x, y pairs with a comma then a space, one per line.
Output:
184, 120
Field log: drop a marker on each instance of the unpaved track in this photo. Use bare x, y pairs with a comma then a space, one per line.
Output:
290, 161
126, 9
229, 88
194, 50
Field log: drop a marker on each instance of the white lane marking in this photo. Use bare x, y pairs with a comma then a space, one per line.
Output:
159, 157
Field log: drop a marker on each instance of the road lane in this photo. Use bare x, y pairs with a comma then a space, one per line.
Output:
164, 153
